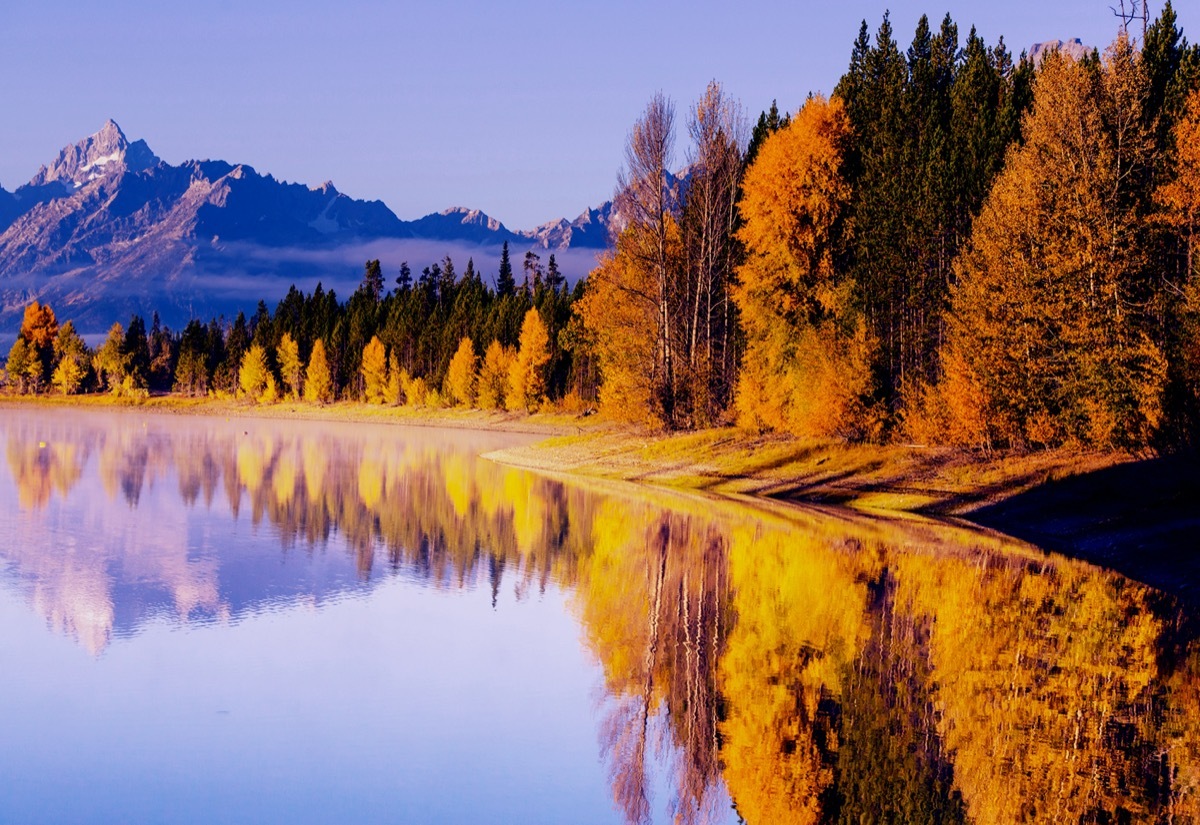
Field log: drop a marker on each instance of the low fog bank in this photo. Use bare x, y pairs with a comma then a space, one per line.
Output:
234, 277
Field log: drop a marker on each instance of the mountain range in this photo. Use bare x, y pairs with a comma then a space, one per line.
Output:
108, 229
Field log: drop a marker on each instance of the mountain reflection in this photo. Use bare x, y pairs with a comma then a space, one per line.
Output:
801, 665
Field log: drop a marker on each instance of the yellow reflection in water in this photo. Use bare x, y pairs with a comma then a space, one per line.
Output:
813, 666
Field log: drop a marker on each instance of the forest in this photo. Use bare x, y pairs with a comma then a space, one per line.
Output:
956, 246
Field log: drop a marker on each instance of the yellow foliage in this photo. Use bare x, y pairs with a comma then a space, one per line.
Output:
370, 482
318, 384
252, 376
290, 367
462, 377
527, 373
375, 371
395, 386
493, 376
619, 312
39, 326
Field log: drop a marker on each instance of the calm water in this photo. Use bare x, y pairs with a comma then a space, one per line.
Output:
236, 621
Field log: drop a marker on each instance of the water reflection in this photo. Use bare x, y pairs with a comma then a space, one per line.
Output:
797, 665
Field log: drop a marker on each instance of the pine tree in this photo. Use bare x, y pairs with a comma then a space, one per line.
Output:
554, 277
373, 279
109, 361
136, 350
506, 284
404, 279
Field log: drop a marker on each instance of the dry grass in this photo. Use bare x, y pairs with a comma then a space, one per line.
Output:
938, 481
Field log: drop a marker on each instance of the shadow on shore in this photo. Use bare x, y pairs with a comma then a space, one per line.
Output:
1141, 519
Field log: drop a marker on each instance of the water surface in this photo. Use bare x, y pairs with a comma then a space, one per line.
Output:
208, 620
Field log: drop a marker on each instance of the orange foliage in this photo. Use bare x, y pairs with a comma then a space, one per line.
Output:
620, 312
1047, 341
806, 367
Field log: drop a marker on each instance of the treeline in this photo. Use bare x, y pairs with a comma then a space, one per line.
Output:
955, 247
438, 339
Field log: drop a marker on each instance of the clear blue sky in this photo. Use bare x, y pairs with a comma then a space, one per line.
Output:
520, 109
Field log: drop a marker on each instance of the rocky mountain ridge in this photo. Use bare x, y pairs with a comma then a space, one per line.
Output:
109, 228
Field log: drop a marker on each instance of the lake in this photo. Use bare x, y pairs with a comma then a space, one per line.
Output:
208, 620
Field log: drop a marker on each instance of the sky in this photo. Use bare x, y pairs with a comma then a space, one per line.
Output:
520, 109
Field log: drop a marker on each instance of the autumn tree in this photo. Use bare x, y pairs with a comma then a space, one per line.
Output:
463, 376
290, 366
318, 387
806, 369
39, 327
109, 361
619, 318
493, 376
651, 241
254, 376
706, 326
394, 390
1049, 337
527, 374
71, 355
374, 371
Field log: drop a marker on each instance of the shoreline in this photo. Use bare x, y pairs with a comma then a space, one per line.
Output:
940, 482
1117, 510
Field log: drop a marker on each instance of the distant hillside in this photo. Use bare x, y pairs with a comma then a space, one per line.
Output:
108, 229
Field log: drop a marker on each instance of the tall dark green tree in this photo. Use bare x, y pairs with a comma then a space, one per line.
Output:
931, 130
506, 284
136, 350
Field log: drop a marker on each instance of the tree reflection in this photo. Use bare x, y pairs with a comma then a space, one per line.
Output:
803, 666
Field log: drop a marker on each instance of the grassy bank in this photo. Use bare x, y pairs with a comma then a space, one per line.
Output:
929, 480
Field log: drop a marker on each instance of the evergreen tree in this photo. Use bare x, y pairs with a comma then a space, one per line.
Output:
136, 351
373, 279
404, 279
506, 284
554, 277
